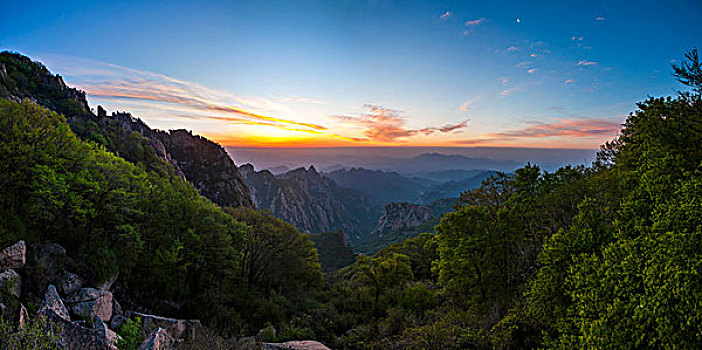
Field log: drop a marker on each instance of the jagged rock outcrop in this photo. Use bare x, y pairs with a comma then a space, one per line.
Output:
176, 328
397, 216
106, 332
13, 257
74, 336
52, 303
91, 302
310, 201
158, 339
295, 345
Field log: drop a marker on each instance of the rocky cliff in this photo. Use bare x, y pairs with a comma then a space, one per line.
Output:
398, 216
311, 202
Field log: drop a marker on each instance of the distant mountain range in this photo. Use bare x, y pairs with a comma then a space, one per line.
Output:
410, 160
383, 186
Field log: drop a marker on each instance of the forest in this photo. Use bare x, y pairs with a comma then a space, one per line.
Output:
605, 255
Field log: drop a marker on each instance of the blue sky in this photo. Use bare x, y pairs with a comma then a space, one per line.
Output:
354, 73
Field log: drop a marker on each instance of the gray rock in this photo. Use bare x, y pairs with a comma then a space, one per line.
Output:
75, 336
397, 216
176, 328
13, 257
70, 283
89, 302
158, 339
296, 345
11, 282
47, 266
117, 321
52, 302
3, 308
102, 328
116, 308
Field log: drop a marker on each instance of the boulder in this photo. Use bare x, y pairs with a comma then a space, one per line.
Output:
176, 328
70, 283
10, 283
158, 339
13, 257
52, 302
102, 328
89, 302
117, 321
75, 336
296, 345
45, 266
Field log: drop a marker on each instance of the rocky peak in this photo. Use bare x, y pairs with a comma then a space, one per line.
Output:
310, 201
207, 166
400, 215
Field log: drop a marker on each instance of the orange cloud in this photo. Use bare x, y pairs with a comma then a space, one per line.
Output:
386, 125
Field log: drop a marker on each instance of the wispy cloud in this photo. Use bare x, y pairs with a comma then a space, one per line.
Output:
581, 128
109, 81
512, 48
587, 63
466, 106
387, 125
532, 70
511, 91
569, 81
445, 16
523, 64
475, 22
599, 18
472, 24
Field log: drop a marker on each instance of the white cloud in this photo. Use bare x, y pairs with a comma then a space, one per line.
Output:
475, 22
587, 63
599, 18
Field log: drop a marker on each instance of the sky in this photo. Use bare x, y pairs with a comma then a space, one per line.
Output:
543, 74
